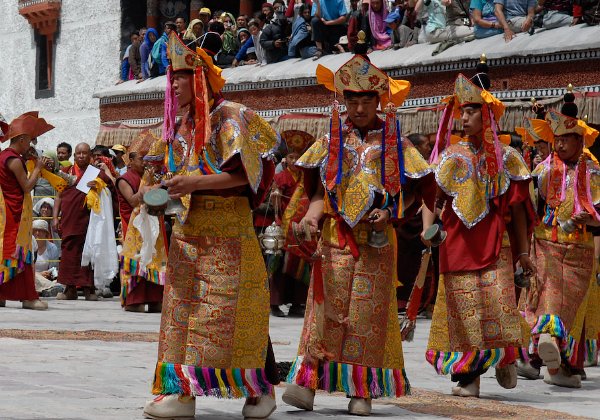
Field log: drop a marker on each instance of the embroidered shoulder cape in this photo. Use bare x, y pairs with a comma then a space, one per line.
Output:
361, 170
460, 174
235, 130
566, 195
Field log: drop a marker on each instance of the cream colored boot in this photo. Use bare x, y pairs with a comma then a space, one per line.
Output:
548, 351
525, 370
359, 406
507, 376
470, 390
562, 378
262, 409
299, 397
36, 305
173, 406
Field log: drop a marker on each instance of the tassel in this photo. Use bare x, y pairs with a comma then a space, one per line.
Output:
169, 121
442, 139
336, 150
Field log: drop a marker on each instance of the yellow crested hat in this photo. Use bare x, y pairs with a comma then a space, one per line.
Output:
297, 141
561, 124
184, 58
466, 92
535, 130
359, 75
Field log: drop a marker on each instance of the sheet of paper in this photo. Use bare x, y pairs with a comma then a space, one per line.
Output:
90, 174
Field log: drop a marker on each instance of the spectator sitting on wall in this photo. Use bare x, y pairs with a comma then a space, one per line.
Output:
378, 12
261, 18
242, 22
251, 46
457, 13
328, 24
159, 51
556, 13
301, 43
204, 15
241, 58
230, 43
436, 29
515, 16
587, 11
126, 73
273, 38
46, 264
194, 31
293, 8
484, 18
359, 21
118, 161
181, 26
146, 50
410, 17
43, 209
63, 153
134, 57
268, 11
402, 36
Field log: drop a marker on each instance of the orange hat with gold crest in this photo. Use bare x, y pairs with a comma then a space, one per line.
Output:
359, 75
184, 58
29, 123
566, 121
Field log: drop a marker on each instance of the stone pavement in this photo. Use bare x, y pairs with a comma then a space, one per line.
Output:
91, 360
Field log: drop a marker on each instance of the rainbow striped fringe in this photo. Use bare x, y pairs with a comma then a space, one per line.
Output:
172, 378
553, 325
550, 324
353, 380
591, 352
13, 266
131, 267
445, 362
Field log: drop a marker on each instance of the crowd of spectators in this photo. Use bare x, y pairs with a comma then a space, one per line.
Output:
311, 29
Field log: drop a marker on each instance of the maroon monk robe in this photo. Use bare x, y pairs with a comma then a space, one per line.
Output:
22, 285
74, 220
134, 179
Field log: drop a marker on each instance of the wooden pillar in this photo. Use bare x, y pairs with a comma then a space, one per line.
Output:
246, 8
195, 6
152, 14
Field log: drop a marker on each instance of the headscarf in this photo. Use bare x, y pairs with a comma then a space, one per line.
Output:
189, 32
147, 37
52, 155
379, 27
229, 38
38, 206
243, 30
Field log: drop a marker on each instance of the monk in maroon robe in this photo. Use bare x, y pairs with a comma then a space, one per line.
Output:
16, 270
73, 225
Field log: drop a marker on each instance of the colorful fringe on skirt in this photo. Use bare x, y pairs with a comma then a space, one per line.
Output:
553, 325
451, 362
353, 380
13, 266
130, 266
591, 352
172, 378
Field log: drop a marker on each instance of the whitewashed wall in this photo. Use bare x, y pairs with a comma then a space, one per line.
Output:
86, 60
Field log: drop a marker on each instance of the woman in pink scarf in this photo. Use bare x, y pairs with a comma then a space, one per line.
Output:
378, 11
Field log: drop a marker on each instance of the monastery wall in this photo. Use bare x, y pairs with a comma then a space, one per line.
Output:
86, 59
